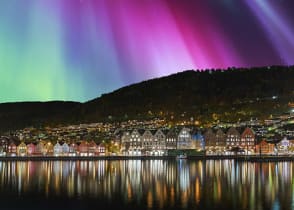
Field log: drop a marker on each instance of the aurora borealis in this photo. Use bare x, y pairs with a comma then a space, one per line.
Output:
79, 49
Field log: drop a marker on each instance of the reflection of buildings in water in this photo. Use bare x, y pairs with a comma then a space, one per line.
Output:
184, 178
156, 182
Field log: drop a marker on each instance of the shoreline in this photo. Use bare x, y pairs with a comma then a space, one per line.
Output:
252, 158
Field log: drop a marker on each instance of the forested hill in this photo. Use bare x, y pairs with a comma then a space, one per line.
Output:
224, 95
25, 114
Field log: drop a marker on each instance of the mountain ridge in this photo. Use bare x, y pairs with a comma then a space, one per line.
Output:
205, 96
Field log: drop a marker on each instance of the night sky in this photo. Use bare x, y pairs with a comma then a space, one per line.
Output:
79, 49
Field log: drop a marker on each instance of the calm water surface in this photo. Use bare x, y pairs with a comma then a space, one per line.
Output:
146, 184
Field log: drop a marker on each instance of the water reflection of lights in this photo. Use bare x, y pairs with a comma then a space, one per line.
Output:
184, 176
155, 182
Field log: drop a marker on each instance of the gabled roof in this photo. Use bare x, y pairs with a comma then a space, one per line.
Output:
141, 131
233, 130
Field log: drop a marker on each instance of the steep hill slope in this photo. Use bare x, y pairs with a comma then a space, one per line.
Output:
249, 92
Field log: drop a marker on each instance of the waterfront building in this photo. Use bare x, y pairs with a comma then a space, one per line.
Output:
184, 139
210, 141
83, 148
264, 147
135, 143
171, 139
92, 148
31, 149
198, 141
49, 148
101, 148
220, 138
233, 138
125, 142
291, 146
65, 148
40, 148
73, 149
22, 149
4, 143
147, 142
248, 140
283, 146
57, 150
12, 149
159, 145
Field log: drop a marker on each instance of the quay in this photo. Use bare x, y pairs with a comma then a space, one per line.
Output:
252, 158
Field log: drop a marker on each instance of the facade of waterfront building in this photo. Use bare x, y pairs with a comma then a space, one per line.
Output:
125, 142
57, 149
248, 140
101, 149
283, 146
135, 143
198, 141
92, 148
184, 139
22, 149
264, 147
65, 148
49, 148
159, 143
73, 149
12, 149
220, 138
83, 148
210, 140
4, 143
40, 148
147, 142
171, 139
31, 149
233, 138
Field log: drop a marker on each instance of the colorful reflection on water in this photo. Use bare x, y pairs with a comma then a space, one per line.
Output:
149, 184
